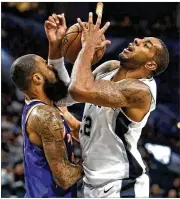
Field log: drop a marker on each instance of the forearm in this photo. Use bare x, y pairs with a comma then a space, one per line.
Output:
75, 134
71, 120
82, 76
55, 50
56, 58
72, 174
73, 123
64, 172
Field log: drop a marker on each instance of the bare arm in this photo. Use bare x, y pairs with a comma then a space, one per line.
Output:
47, 123
83, 88
125, 93
55, 29
106, 67
73, 123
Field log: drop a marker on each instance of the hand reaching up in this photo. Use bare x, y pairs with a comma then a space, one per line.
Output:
92, 34
55, 28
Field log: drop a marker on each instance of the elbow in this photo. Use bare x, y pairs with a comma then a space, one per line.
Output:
66, 185
63, 183
77, 93
74, 92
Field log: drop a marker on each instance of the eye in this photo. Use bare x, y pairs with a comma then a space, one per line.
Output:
146, 46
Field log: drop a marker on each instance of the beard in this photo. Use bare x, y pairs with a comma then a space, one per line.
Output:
57, 90
132, 62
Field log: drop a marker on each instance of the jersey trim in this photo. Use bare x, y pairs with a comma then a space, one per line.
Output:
122, 127
128, 188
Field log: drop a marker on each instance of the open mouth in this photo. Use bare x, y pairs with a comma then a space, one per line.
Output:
129, 49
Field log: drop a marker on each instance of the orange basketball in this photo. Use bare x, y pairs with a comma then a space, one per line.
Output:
72, 44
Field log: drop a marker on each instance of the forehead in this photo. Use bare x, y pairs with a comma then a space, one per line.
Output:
40, 62
39, 59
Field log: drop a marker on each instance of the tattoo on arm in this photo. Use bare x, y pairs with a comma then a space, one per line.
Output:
125, 93
48, 124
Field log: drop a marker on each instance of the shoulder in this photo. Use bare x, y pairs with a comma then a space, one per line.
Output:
113, 64
133, 83
44, 117
135, 92
106, 67
41, 112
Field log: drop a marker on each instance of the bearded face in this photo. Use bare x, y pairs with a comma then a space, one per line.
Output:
55, 90
138, 53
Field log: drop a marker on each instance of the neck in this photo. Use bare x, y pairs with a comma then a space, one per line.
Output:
39, 96
124, 73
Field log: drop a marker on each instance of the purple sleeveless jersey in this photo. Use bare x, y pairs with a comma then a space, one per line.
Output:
38, 177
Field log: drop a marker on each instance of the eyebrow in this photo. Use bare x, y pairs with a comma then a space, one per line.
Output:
149, 41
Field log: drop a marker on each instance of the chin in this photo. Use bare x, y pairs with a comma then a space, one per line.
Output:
55, 91
122, 57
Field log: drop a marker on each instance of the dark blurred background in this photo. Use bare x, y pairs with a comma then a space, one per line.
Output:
22, 32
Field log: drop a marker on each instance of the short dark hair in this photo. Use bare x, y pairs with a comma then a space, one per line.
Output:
21, 71
161, 59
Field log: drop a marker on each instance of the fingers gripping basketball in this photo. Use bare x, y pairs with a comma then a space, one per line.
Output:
72, 44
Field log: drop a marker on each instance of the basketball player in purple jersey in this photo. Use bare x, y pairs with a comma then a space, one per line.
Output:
48, 164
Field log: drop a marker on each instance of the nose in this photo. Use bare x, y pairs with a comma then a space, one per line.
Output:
137, 41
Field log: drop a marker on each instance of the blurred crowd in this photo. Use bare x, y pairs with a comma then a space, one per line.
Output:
22, 33
123, 23
165, 26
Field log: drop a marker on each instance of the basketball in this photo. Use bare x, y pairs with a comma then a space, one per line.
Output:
72, 44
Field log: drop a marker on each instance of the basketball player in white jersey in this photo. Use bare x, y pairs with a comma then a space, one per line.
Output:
119, 97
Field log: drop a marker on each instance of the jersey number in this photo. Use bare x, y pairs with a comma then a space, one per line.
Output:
87, 126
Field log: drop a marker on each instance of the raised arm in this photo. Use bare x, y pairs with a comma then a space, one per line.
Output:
125, 93
83, 88
47, 123
55, 29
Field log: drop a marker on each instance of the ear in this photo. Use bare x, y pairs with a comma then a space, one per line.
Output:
37, 78
151, 65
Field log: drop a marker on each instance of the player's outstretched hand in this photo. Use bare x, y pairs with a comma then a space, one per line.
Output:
92, 34
55, 28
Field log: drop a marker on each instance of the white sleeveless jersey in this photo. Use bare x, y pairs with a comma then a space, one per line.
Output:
109, 139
